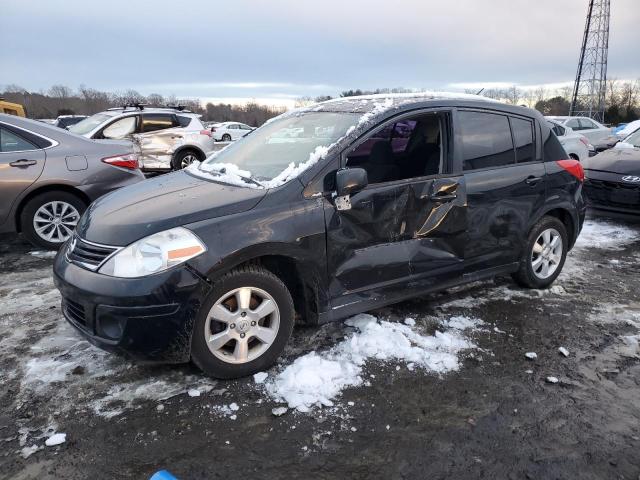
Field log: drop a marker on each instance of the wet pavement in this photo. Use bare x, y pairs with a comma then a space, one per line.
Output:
495, 415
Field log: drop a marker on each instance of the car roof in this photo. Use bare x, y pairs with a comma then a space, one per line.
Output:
41, 128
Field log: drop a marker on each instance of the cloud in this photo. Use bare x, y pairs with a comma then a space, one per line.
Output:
245, 49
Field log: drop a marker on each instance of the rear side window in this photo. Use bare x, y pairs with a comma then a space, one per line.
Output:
183, 121
485, 139
152, 122
587, 124
10, 142
557, 129
573, 123
553, 149
523, 139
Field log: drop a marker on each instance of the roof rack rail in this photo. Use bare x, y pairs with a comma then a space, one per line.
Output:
141, 106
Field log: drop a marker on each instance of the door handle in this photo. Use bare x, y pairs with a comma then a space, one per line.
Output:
532, 181
443, 197
23, 162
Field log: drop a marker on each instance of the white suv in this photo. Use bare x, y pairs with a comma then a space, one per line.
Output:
170, 138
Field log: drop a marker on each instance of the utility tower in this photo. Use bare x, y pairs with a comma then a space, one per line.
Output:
591, 79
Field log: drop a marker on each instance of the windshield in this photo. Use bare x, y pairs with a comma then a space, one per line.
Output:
89, 123
633, 139
279, 150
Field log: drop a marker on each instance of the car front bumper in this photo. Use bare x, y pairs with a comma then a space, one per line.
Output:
149, 319
606, 192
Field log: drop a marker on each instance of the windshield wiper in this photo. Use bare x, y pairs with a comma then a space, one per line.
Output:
223, 171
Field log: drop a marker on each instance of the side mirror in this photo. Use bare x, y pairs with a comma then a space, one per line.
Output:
350, 181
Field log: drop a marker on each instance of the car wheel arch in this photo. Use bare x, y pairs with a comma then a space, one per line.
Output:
45, 189
564, 215
198, 151
290, 270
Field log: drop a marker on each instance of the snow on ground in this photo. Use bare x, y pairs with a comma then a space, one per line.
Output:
606, 235
317, 378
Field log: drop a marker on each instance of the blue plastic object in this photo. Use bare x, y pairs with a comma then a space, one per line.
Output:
162, 475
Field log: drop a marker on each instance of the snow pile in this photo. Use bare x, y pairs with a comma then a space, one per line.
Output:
315, 379
293, 171
605, 235
462, 323
43, 254
229, 173
377, 109
56, 439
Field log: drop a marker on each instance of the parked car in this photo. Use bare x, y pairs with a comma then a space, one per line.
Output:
618, 127
613, 179
65, 121
10, 108
169, 138
577, 146
229, 131
316, 230
599, 136
49, 177
628, 129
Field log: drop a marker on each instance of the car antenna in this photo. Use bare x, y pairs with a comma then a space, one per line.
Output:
480, 91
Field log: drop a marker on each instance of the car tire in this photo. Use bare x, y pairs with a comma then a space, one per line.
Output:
65, 206
226, 137
218, 345
544, 254
184, 158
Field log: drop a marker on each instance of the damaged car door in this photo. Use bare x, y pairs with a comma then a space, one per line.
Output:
157, 139
406, 228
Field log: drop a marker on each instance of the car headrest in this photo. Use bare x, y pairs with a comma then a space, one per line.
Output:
381, 153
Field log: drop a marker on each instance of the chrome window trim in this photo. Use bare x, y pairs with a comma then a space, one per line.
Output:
54, 143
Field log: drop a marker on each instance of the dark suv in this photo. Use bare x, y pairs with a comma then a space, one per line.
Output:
322, 213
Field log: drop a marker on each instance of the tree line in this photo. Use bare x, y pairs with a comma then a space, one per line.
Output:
62, 100
622, 101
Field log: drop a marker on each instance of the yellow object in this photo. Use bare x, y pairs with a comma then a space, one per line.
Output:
11, 108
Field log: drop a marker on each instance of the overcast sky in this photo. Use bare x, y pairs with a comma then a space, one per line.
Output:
283, 49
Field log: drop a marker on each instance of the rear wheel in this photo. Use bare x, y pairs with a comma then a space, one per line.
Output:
48, 219
226, 137
243, 325
544, 254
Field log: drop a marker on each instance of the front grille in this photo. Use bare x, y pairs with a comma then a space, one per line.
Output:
602, 192
88, 255
74, 311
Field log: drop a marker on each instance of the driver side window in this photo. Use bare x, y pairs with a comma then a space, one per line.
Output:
407, 148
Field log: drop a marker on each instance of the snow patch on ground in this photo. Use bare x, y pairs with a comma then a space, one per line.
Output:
606, 235
316, 379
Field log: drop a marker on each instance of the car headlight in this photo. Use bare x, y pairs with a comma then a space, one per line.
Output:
154, 254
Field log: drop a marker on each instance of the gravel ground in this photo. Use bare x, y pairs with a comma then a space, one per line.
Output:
492, 414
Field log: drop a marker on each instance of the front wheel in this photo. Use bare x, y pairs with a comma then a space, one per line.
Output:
544, 254
243, 325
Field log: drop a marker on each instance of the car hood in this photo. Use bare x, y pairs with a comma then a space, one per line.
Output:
617, 160
160, 203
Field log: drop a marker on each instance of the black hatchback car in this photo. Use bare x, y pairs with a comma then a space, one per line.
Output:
321, 213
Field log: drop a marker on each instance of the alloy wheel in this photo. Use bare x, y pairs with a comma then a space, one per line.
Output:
547, 253
188, 160
242, 325
55, 221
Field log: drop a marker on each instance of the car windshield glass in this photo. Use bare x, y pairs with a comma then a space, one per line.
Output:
88, 124
633, 139
279, 150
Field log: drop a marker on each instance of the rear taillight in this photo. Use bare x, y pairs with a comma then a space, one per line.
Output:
129, 161
573, 167
205, 132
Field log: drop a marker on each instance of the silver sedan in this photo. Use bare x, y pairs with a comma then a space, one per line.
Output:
48, 177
